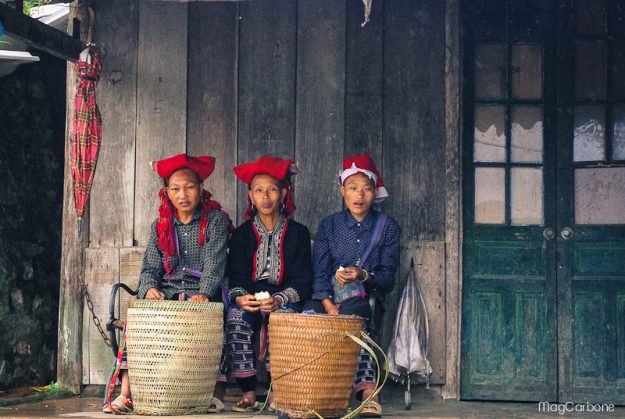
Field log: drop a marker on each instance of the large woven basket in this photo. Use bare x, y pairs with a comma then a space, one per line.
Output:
174, 348
313, 362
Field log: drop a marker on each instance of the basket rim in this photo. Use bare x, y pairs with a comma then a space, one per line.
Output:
193, 305
321, 315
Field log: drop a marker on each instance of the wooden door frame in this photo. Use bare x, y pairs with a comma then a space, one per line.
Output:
453, 197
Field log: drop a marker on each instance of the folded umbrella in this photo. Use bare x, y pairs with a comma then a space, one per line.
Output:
407, 352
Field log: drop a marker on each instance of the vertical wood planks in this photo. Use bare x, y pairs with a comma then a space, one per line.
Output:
414, 116
364, 82
161, 101
212, 94
112, 196
414, 135
101, 273
266, 82
319, 108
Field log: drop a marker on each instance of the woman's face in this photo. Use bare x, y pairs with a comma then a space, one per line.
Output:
266, 194
184, 190
358, 193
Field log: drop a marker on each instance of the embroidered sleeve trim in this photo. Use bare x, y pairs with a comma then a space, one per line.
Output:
289, 295
236, 292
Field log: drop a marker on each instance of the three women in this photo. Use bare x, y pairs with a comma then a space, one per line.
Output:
269, 265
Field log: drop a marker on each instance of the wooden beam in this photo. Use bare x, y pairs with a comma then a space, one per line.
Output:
39, 35
453, 198
69, 359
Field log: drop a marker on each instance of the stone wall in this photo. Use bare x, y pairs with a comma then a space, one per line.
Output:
32, 130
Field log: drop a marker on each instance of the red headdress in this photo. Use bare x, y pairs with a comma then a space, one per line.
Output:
202, 166
364, 164
276, 167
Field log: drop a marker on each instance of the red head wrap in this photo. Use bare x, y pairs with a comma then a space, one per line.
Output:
275, 167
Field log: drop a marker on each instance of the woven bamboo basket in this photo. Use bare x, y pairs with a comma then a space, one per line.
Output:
174, 349
313, 362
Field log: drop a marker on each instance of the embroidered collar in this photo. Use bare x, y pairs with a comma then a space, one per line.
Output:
269, 250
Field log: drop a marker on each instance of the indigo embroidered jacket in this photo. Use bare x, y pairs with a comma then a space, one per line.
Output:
294, 286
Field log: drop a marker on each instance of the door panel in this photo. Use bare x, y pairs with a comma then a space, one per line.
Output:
591, 202
509, 347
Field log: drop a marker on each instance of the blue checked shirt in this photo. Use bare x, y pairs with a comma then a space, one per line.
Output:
341, 241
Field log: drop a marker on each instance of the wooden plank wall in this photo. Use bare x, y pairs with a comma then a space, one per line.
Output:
299, 79
161, 101
212, 93
112, 197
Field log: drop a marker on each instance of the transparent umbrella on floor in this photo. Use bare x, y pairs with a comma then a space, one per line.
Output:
407, 352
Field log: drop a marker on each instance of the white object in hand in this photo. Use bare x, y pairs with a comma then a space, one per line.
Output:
341, 268
263, 295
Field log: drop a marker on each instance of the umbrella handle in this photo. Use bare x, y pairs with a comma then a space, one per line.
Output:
90, 28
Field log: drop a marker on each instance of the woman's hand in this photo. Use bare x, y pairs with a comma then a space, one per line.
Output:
349, 274
154, 294
268, 305
200, 298
248, 303
330, 307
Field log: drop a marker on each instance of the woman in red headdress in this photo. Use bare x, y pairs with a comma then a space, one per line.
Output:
355, 256
185, 257
269, 267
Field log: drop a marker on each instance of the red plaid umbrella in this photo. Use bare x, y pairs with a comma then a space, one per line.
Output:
87, 130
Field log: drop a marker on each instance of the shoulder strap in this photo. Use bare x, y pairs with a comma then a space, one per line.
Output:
375, 240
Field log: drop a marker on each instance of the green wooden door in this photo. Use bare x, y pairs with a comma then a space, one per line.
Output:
591, 187
544, 201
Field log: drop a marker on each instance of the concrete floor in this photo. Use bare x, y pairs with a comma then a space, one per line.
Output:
89, 407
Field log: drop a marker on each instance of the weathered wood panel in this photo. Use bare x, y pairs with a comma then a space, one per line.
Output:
414, 116
414, 141
101, 273
161, 101
319, 107
130, 259
453, 209
267, 65
212, 94
69, 358
364, 82
112, 196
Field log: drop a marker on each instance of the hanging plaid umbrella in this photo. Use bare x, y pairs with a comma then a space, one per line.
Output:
407, 353
87, 129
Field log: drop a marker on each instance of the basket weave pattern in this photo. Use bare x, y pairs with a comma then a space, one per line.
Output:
313, 362
174, 348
